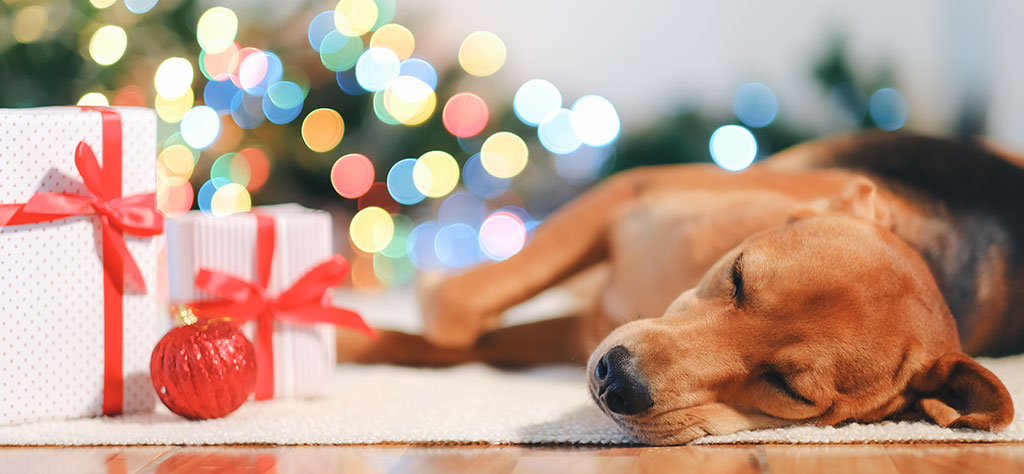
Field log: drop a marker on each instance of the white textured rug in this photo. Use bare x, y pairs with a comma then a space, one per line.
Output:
467, 404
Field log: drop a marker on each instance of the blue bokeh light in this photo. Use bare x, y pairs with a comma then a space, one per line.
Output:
376, 68
478, 181
888, 109
457, 246
420, 246
419, 69
218, 95
319, 27
401, 185
556, 134
755, 104
247, 110
534, 100
462, 207
348, 83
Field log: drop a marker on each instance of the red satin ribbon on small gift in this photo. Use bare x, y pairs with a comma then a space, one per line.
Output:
307, 301
116, 215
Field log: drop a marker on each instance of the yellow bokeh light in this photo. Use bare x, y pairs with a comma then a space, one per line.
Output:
355, 17
175, 164
322, 129
94, 98
29, 23
101, 4
504, 154
172, 110
395, 37
409, 100
230, 198
108, 44
216, 29
371, 229
435, 174
173, 78
482, 53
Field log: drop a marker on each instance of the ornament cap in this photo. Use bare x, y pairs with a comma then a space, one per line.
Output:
183, 315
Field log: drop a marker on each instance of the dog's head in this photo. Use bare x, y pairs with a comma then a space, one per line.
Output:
828, 319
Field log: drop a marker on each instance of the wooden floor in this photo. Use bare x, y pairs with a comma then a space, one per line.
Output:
880, 459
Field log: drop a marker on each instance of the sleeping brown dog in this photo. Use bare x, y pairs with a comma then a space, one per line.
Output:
839, 281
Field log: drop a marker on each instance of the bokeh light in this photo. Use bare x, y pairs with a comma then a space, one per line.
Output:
221, 66
108, 44
482, 53
595, 120
258, 71
378, 196
733, 147
395, 37
216, 29
139, 7
397, 248
420, 246
95, 99
231, 198
322, 130
254, 163
755, 104
247, 110
419, 69
456, 246
130, 96
380, 109
352, 175
204, 198
401, 185
534, 100
348, 84
283, 102
371, 229
175, 165
436, 173
376, 68
462, 207
173, 78
355, 17
504, 154
319, 27
200, 127
409, 100
888, 109
502, 235
478, 181
392, 271
556, 133
174, 200
582, 166
29, 23
385, 12
101, 4
172, 110
465, 115
339, 52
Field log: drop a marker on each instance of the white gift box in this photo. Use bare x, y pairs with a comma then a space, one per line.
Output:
304, 355
52, 307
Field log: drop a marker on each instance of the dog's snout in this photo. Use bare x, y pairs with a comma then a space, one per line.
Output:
621, 388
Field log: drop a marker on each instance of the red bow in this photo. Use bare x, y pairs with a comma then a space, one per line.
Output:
305, 302
134, 214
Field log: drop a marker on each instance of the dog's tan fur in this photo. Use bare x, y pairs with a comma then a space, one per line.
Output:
843, 314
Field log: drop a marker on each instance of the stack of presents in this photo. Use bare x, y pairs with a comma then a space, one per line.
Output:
89, 271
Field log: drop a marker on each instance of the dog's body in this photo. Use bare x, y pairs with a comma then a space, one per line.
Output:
811, 276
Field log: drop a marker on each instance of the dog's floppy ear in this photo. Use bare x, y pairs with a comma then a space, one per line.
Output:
860, 199
958, 392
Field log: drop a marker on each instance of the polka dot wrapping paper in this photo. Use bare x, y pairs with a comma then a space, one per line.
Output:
52, 273
304, 355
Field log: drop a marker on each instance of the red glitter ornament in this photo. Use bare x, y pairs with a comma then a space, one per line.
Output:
203, 369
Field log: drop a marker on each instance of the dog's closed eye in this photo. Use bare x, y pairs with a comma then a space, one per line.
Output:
737, 280
777, 380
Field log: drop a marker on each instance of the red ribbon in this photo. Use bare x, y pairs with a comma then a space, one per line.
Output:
307, 301
134, 214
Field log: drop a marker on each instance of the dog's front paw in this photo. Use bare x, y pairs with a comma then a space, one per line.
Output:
449, 318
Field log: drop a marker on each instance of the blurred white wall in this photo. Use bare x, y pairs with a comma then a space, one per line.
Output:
650, 56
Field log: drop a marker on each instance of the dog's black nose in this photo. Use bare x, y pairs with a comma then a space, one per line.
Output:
620, 387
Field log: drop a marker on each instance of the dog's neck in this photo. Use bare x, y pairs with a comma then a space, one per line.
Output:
967, 256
